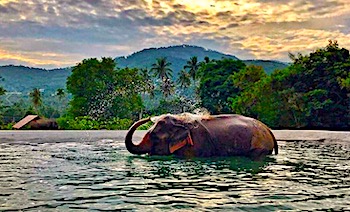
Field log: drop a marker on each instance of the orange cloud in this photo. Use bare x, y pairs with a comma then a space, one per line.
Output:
3, 2
265, 29
37, 58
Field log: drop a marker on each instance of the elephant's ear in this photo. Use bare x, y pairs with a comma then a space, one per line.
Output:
174, 146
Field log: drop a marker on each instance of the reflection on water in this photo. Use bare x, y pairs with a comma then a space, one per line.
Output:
102, 175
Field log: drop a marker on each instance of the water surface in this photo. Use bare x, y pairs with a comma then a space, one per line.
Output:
102, 175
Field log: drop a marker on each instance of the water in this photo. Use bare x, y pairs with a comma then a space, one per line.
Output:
102, 175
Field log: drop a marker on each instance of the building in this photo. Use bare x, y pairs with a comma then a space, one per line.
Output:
35, 122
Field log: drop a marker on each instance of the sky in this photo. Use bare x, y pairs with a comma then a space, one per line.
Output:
61, 33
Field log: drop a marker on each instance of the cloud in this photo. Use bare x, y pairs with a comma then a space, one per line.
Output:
63, 32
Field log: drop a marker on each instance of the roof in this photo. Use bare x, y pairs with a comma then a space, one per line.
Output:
25, 121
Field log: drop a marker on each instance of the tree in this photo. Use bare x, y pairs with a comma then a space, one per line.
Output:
148, 82
61, 104
310, 93
192, 65
216, 84
319, 79
248, 81
167, 87
103, 92
161, 69
164, 73
184, 79
89, 79
36, 98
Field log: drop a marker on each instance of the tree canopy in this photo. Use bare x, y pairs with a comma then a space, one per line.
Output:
311, 93
101, 91
216, 84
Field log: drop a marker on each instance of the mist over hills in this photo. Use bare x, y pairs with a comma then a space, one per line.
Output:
22, 79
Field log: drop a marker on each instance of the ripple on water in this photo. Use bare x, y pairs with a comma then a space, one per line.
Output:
102, 175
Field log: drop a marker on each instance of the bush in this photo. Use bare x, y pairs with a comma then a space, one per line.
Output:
8, 126
87, 123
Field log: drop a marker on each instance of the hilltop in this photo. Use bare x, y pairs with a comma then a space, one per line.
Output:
23, 79
179, 55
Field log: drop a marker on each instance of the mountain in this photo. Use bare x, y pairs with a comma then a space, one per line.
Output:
22, 79
179, 55
176, 55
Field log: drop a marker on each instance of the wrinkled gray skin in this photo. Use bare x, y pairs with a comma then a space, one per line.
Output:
223, 135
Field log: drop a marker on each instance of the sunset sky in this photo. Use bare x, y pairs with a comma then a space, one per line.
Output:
60, 33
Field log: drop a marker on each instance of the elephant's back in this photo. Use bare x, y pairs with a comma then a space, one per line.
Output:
238, 135
231, 133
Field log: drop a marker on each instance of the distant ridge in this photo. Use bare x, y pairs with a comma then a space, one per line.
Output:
180, 54
177, 55
24, 79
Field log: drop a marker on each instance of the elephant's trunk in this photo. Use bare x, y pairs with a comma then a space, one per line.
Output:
144, 146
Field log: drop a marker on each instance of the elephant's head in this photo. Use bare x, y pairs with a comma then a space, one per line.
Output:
168, 134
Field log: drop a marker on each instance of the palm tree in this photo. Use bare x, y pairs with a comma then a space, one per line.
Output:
184, 79
161, 69
35, 95
193, 66
167, 87
60, 94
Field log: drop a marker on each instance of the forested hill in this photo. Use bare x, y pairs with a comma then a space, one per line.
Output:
176, 55
23, 79
179, 55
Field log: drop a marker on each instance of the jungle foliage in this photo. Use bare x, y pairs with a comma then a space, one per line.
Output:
216, 84
102, 91
313, 92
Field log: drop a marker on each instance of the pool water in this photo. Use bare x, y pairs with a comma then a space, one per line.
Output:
102, 175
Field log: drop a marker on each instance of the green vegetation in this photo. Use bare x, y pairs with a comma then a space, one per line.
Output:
179, 56
101, 91
35, 96
88, 123
22, 79
164, 73
216, 84
313, 92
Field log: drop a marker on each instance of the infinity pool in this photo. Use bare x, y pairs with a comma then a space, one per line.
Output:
101, 175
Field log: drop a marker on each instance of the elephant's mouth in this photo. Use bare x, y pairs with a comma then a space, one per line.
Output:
167, 144
160, 147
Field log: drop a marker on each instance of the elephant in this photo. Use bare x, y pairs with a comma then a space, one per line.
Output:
190, 135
